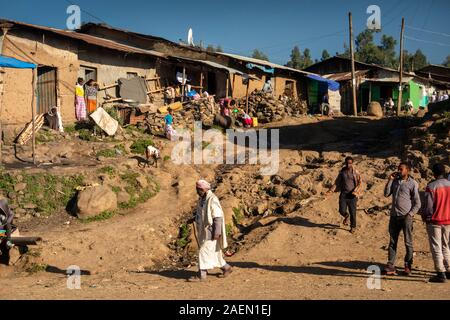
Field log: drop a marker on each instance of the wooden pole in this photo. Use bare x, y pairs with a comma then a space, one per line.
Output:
33, 114
400, 88
201, 83
183, 84
228, 87
352, 53
246, 95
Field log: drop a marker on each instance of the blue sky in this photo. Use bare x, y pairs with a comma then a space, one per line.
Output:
241, 26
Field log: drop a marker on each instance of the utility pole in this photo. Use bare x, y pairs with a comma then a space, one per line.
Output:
352, 53
4, 31
400, 88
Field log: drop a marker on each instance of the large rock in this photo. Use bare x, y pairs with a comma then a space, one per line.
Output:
309, 156
332, 156
94, 201
374, 109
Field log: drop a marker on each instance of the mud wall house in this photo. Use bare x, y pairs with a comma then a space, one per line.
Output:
62, 56
434, 72
373, 83
285, 80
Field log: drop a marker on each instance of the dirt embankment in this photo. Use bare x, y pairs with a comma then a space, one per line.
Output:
286, 235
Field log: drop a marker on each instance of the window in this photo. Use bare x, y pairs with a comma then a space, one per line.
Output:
88, 73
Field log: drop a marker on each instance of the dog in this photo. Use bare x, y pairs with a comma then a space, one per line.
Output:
152, 153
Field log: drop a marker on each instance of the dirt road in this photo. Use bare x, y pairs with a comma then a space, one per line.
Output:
306, 254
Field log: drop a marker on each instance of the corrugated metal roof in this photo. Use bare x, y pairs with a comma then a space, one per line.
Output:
105, 43
210, 64
263, 63
344, 76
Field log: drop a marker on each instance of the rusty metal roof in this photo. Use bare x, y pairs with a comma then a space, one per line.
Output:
96, 41
345, 76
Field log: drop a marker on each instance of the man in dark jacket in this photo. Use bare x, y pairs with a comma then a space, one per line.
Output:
436, 214
405, 203
6, 228
348, 183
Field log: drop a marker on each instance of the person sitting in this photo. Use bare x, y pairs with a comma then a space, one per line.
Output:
267, 88
6, 229
409, 107
389, 106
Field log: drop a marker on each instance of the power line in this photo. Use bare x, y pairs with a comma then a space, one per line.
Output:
428, 14
88, 13
426, 41
429, 31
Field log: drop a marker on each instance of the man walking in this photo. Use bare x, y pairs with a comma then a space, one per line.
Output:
212, 239
348, 183
436, 214
405, 203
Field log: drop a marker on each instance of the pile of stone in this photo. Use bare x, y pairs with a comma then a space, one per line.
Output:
429, 142
197, 110
267, 109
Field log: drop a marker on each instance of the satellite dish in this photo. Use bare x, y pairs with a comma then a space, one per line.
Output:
190, 37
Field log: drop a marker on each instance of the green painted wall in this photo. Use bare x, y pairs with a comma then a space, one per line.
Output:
412, 91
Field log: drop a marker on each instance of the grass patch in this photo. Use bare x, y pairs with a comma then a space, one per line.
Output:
110, 171
107, 153
139, 146
101, 217
36, 267
116, 189
115, 115
48, 192
132, 128
228, 229
183, 238
237, 215
166, 158
45, 136
137, 194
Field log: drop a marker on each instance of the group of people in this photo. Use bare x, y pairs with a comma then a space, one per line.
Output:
439, 96
85, 98
406, 202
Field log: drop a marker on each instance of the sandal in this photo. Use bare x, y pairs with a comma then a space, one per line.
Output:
226, 272
196, 279
345, 222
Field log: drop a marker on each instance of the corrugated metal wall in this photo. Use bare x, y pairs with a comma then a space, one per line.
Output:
46, 89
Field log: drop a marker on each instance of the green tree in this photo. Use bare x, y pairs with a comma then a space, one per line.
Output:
210, 48
307, 59
365, 48
259, 55
325, 55
386, 52
447, 61
296, 61
414, 61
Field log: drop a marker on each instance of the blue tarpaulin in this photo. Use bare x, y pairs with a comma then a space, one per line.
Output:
8, 62
332, 85
263, 68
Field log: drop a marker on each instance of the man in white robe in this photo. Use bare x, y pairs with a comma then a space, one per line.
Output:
212, 239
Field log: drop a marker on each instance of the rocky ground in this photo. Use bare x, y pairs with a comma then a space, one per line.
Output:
286, 235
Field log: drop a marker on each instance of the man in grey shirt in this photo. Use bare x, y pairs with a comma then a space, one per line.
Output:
405, 203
